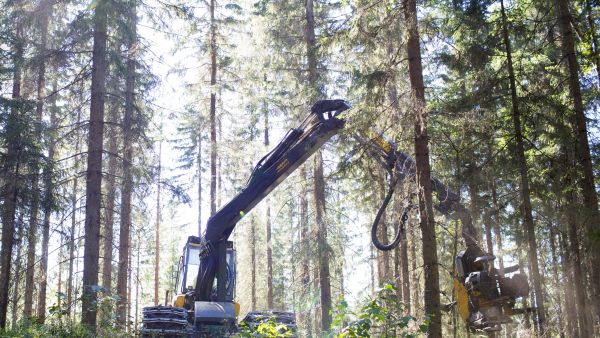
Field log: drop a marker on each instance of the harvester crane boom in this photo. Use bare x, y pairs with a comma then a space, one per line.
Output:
485, 298
297, 146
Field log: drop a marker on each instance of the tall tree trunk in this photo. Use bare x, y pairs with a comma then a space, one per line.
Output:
402, 258
594, 37
35, 198
137, 286
45, 12
49, 189
253, 285
319, 180
213, 108
372, 266
572, 328
72, 230
322, 251
127, 183
111, 194
557, 283
304, 251
32, 231
61, 258
413, 267
94, 168
10, 190
429, 249
73, 227
199, 161
495, 225
157, 229
521, 253
574, 254
129, 282
590, 216
219, 159
404, 270
268, 222
532, 253
293, 256
17, 278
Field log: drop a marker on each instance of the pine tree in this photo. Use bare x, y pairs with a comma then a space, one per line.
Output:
94, 168
423, 170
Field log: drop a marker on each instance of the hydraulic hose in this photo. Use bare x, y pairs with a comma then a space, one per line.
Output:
375, 226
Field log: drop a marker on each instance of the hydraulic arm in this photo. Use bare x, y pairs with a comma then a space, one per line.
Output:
298, 145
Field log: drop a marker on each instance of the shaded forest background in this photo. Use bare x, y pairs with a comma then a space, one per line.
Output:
124, 124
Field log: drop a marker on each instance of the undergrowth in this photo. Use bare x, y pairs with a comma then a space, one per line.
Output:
381, 316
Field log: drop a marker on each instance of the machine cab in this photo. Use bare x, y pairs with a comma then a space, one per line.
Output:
189, 264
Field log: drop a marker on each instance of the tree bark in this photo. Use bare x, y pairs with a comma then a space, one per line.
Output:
10, 190
268, 222
157, 229
304, 251
572, 328
35, 198
594, 37
423, 170
253, 262
73, 228
557, 283
532, 253
49, 189
111, 194
127, 183
199, 161
322, 251
213, 108
496, 226
32, 231
17, 278
319, 180
129, 287
219, 159
137, 286
575, 263
61, 257
94, 169
414, 275
590, 216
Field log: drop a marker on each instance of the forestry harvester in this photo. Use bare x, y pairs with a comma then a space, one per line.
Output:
203, 302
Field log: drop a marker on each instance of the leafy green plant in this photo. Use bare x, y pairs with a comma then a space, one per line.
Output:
268, 329
382, 316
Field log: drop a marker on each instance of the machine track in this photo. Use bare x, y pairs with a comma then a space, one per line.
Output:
167, 322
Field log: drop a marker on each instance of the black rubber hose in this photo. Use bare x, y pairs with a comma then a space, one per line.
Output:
403, 218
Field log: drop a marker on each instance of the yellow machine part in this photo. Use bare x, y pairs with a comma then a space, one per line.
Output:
236, 308
462, 299
179, 301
